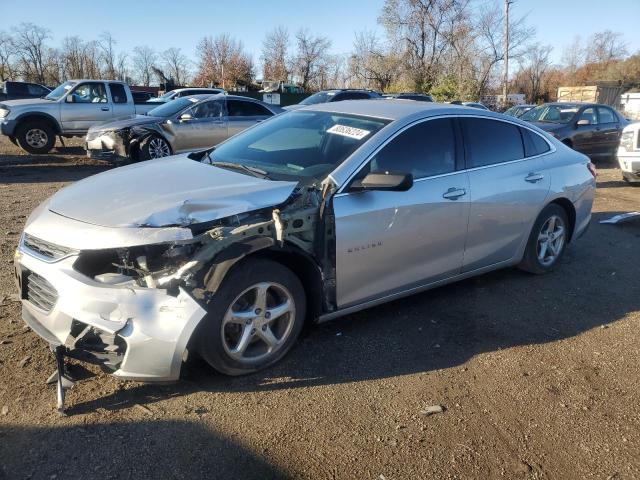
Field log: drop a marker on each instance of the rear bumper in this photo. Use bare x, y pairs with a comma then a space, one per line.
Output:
138, 333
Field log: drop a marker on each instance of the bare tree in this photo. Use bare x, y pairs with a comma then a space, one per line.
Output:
422, 32
7, 57
373, 63
144, 59
276, 64
490, 43
176, 65
535, 63
107, 44
603, 47
223, 61
31, 50
311, 54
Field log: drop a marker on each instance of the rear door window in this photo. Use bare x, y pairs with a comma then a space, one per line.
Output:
489, 142
606, 115
240, 108
118, 93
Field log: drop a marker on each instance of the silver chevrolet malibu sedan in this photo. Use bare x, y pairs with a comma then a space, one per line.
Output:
308, 216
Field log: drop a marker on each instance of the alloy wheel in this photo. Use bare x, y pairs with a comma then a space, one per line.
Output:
258, 322
158, 148
551, 240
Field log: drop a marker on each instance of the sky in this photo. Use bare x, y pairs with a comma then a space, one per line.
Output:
182, 24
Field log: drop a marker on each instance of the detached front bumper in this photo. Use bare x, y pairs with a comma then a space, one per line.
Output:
140, 333
106, 146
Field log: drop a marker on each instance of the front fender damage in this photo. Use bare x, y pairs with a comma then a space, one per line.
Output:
191, 271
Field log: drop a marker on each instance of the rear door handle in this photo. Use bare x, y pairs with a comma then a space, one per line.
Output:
105, 109
454, 193
534, 177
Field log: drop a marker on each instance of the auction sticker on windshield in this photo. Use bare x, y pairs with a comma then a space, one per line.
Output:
351, 132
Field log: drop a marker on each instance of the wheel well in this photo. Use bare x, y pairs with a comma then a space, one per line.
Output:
570, 210
40, 118
305, 269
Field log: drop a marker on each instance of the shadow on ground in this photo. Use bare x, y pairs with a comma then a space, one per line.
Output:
148, 449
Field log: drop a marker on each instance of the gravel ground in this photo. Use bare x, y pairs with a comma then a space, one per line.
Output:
538, 377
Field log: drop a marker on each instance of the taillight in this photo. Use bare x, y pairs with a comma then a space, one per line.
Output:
592, 169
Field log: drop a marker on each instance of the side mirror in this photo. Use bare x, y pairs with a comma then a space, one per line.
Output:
583, 121
185, 117
69, 98
386, 181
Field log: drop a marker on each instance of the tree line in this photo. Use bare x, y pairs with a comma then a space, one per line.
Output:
452, 49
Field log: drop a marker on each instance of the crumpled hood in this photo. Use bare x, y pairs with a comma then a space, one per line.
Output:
125, 123
168, 191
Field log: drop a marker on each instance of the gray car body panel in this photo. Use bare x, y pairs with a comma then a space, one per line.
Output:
387, 244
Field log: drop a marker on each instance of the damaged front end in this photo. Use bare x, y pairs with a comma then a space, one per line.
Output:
133, 307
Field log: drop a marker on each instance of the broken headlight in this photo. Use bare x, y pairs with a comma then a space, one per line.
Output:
145, 266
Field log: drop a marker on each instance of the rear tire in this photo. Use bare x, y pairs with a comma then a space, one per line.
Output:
547, 240
36, 137
154, 147
244, 331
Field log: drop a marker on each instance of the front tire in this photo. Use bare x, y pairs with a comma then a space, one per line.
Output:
154, 147
36, 137
253, 319
547, 240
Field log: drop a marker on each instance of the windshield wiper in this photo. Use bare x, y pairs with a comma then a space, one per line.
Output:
256, 172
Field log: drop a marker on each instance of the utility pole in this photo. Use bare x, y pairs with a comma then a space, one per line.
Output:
506, 50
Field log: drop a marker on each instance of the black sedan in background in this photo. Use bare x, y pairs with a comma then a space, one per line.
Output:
589, 128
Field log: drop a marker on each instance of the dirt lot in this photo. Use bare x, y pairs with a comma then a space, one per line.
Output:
539, 377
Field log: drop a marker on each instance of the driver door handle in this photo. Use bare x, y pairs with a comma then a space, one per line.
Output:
454, 193
533, 177
105, 109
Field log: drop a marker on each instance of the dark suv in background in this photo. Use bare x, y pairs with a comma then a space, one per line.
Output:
21, 90
590, 128
336, 95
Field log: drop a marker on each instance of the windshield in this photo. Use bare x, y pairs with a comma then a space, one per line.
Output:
171, 108
167, 95
300, 144
551, 113
320, 97
60, 90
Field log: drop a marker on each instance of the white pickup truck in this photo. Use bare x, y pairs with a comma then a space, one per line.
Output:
67, 111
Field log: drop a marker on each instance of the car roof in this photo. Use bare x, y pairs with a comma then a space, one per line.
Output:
204, 89
390, 109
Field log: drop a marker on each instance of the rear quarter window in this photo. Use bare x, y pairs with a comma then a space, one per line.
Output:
534, 144
488, 142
